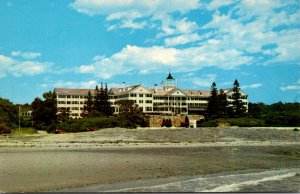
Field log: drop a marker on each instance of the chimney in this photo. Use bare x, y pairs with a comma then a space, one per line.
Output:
123, 86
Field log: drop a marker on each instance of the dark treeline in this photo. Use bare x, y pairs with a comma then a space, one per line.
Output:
278, 114
259, 114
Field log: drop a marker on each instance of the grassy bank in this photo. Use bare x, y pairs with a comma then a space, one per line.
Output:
24, 131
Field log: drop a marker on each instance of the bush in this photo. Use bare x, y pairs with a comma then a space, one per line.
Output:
81, 125
241, 122
4, 129
166, 123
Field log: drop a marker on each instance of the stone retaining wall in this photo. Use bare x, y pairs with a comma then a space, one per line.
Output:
156, 120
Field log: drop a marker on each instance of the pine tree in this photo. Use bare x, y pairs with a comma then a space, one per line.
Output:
102, 100
108, 111
89, 105
238, 107
97, 100
222, 103
213, 100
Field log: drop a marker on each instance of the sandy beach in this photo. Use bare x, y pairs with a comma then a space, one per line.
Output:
51, 162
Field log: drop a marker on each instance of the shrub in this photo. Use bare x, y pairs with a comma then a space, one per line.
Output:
241, 122
4, 129
80, 125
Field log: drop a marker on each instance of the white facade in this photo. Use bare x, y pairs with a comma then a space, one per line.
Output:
166, 100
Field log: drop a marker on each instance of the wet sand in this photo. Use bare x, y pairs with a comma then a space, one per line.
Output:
50, 170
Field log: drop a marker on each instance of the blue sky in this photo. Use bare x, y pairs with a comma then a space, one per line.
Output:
81, 43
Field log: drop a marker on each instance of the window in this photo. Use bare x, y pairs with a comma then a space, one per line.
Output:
148, 108
148, 95
141, 95
75, 102
132, 95
75, 96
74, 108
148, 101
61, 102
141, 101
68, 96
61, 96
68, 102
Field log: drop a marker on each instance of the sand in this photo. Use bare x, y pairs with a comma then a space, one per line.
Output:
49, 162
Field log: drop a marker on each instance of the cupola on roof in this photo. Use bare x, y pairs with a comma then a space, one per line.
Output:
170, 76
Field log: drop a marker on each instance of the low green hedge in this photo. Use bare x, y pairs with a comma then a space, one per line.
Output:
80, 125
241, 122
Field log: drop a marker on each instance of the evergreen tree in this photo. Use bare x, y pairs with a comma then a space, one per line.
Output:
213, 101
97, 100
108, 111
238, 107
89, 105
102, 106
102, 99
222, 103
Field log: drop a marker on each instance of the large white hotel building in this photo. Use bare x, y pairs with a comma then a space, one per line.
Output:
166, 100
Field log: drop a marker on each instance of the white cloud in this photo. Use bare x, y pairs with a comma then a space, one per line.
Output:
5, 61
253, 86
142, 7
172, 27
254, 28
69, 84
158, 59
295, 86
26, 55
182, 39
205, 81
18, 68
216, 4
28, 68
138, 14
291, 87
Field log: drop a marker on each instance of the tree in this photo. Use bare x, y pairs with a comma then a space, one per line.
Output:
102, 106
238, 106
8, 113
222, 103
97, 100
108, 111
63, 114
130, 111
88, 106
44, 112
213, 101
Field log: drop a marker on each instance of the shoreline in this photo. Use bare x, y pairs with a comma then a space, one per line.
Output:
81, 146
